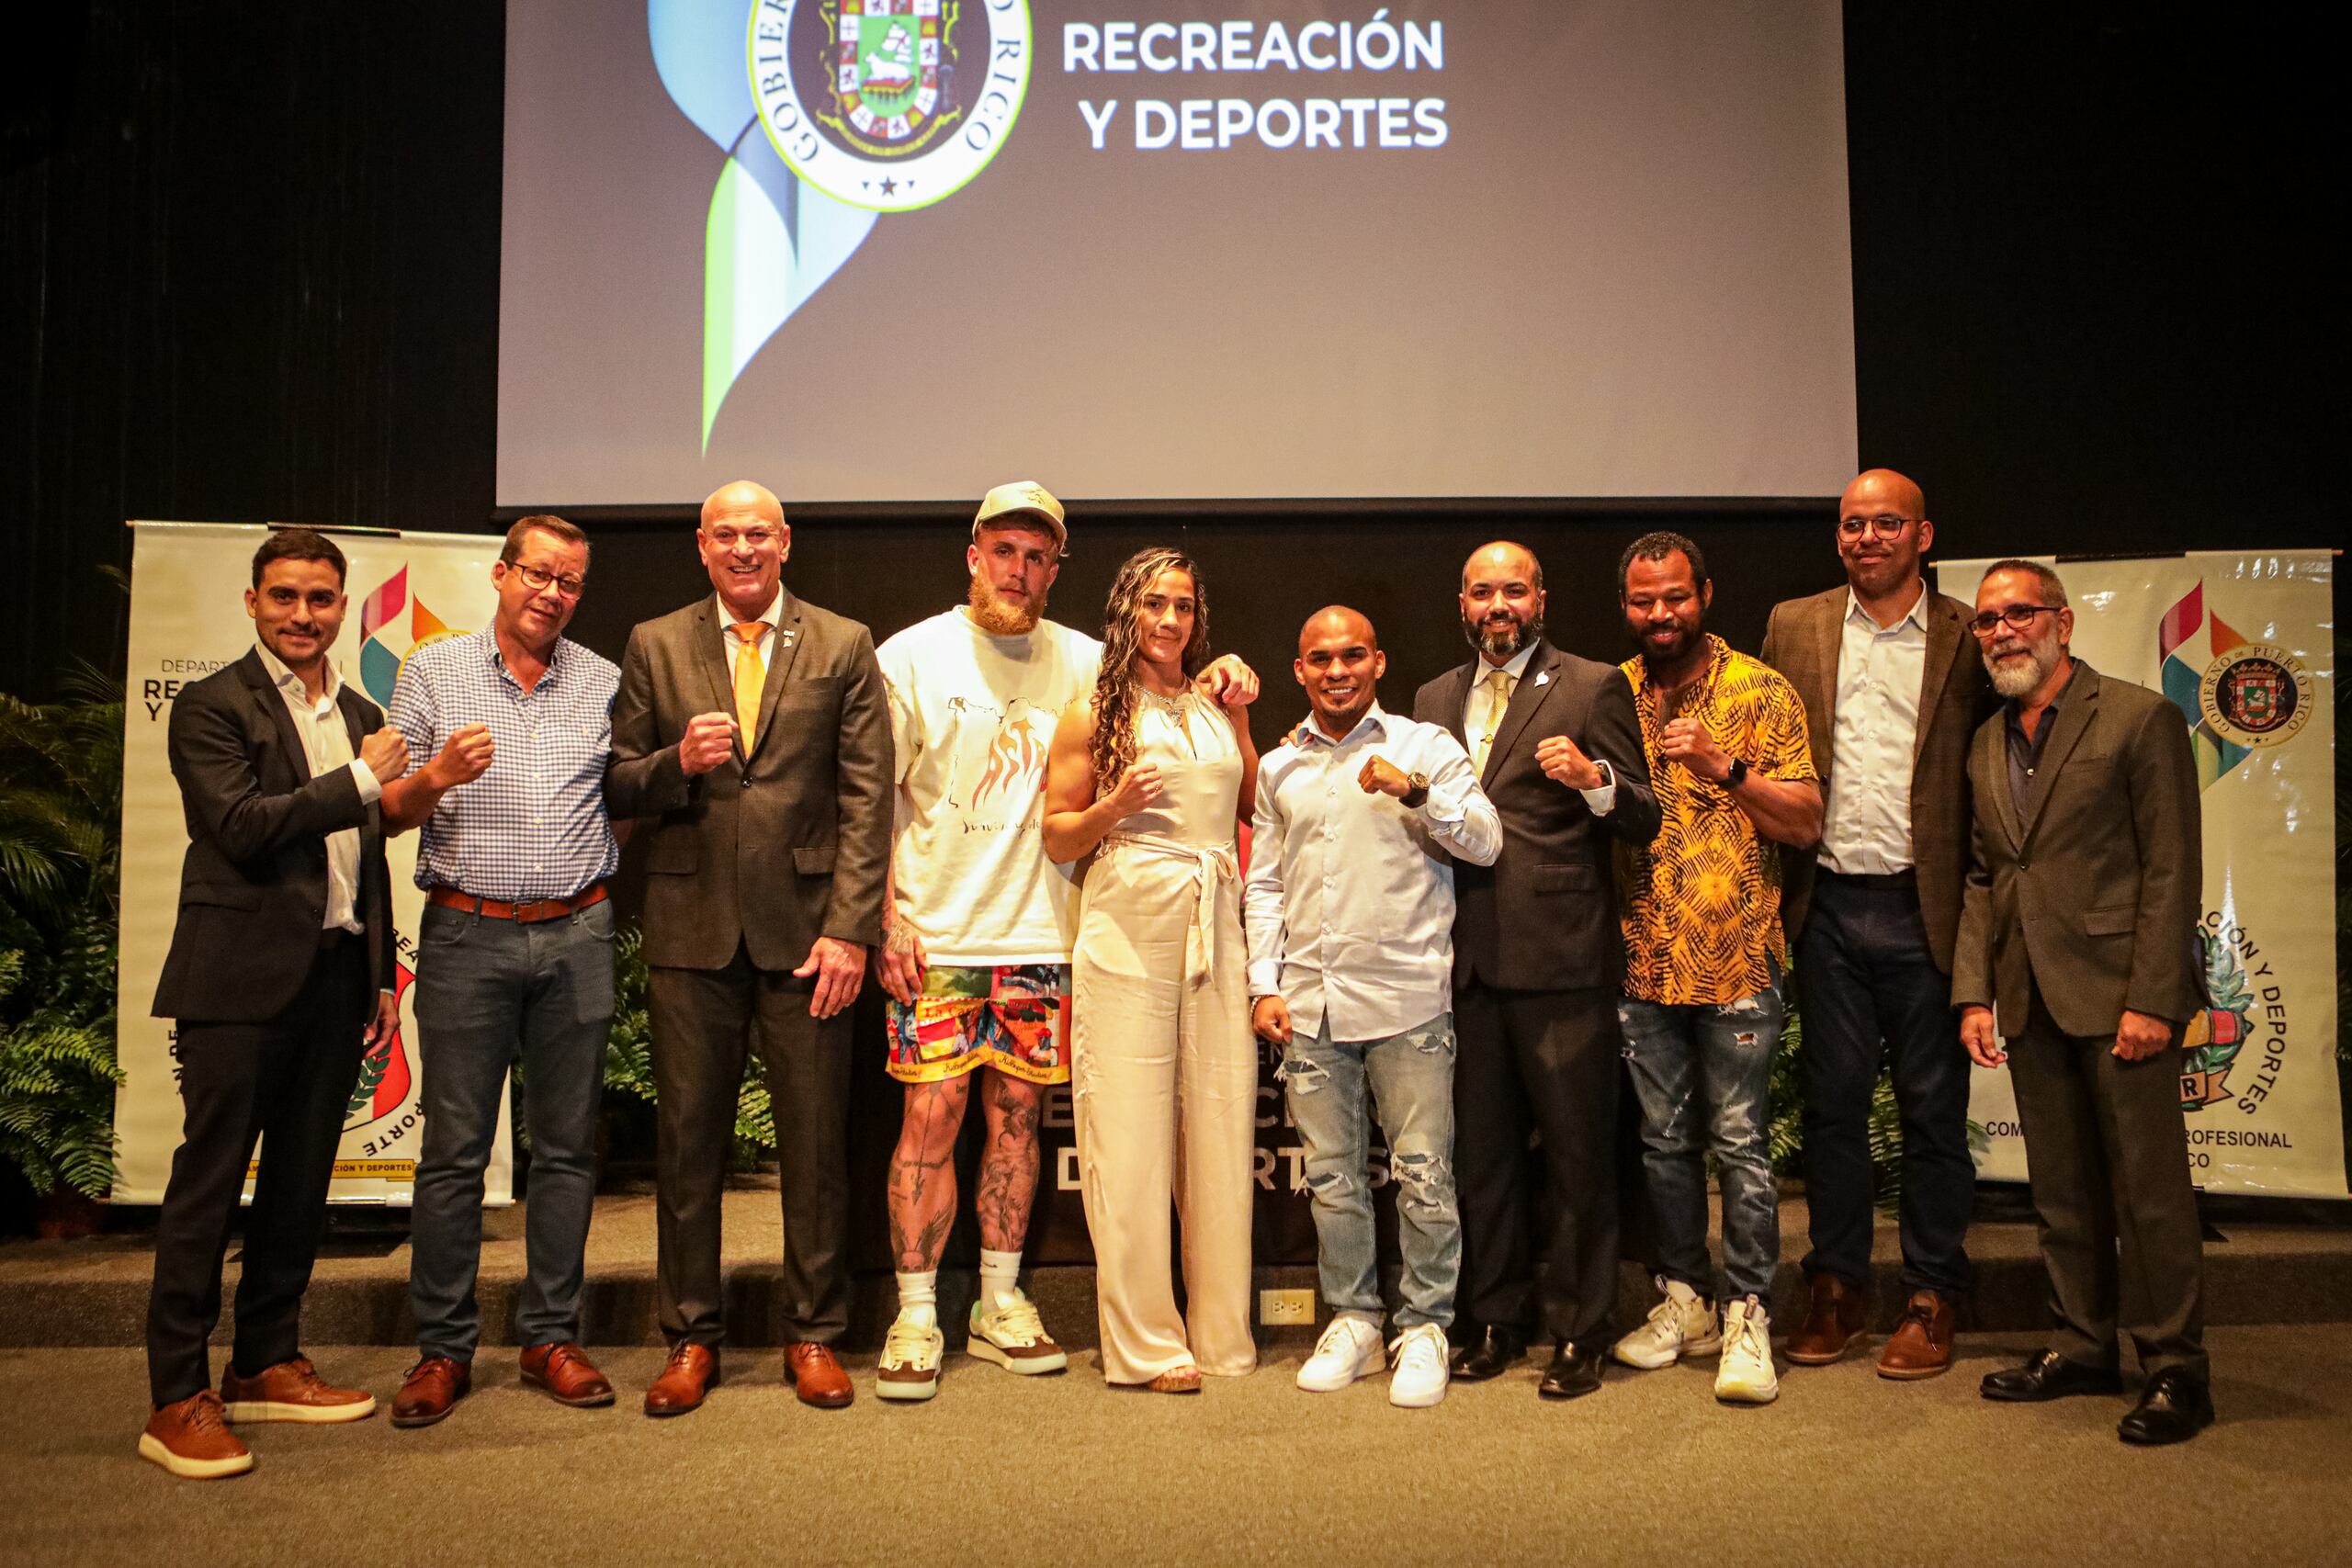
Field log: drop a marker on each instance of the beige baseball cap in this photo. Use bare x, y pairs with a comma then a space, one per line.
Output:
1023, 499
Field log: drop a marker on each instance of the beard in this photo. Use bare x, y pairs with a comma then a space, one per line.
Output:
2015, 681
1000, 617
1501, 643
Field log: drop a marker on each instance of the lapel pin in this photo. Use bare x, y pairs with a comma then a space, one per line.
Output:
1545, 679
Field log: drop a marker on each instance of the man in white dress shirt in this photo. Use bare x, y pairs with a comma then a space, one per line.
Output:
1890, 700
1361, 815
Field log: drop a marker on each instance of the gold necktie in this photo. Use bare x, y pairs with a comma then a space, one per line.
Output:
1498, 685
749, 675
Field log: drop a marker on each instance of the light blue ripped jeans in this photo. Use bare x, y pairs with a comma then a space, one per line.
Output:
1708, 1070
1411, 1078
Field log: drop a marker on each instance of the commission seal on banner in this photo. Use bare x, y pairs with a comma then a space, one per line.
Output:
2256, 694
890, 105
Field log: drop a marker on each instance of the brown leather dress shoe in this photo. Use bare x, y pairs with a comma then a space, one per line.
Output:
816, 1373
568, 1375
188, 1438
290, 1390
692, 1371
1922, 1343
1836, 1316
432, 1386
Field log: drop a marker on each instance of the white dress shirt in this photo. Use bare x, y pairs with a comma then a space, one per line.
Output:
1480, 716
1349, 905
763, 641
1866, 825
326, 746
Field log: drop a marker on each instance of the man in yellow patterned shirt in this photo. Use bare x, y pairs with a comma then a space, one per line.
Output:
1704, 953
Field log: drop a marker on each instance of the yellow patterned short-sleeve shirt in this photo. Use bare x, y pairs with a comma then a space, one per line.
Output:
1701, 902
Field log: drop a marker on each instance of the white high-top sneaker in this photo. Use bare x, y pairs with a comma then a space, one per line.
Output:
1349, 1349
1420, 1357
1682, 1324
1745, 1376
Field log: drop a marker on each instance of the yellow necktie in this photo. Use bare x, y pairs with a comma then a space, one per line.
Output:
749, 675
1498, 685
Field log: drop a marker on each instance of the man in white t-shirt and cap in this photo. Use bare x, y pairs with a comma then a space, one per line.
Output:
977, 928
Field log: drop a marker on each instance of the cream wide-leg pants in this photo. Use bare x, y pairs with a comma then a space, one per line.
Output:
1164, 1083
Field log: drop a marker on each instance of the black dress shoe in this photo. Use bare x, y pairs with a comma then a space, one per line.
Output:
1574, 1371
2049, 1375
1492, 1351
2173, 1408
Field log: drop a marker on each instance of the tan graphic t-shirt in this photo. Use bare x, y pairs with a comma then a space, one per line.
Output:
972, 717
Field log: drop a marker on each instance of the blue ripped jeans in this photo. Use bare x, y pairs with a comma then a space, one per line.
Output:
1412, 1077
1703, 1077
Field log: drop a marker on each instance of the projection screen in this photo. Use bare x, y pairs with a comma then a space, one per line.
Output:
898, 250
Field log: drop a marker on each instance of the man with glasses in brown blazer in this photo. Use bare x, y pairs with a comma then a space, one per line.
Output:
755, 726
1890, 700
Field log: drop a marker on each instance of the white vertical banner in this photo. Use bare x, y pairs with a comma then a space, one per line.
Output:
2242, 643
188, 620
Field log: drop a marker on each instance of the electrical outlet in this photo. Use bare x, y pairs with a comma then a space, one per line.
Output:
1285, 1306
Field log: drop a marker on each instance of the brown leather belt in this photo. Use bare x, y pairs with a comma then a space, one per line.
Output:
522, 914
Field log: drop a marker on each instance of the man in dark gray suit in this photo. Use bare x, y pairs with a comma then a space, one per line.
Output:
280, 976
754, 725
1537, 957
1892, 700
2078, 928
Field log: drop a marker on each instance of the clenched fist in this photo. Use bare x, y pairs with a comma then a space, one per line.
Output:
709, 741
386, 754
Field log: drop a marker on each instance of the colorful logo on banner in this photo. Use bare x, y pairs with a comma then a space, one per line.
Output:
392, 626
2243, 695
830, 112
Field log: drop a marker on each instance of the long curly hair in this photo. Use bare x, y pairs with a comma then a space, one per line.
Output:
1114, 746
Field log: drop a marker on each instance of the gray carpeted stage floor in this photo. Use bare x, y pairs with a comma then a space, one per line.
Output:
1006, 1472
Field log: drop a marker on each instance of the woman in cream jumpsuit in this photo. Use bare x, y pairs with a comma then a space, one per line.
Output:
1151, 776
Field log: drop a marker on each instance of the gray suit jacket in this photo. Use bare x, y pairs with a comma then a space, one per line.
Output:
253, 885
770, 850
1544, 917
2092, 890
1803, 642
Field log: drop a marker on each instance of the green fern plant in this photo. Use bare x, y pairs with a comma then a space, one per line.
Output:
61, 797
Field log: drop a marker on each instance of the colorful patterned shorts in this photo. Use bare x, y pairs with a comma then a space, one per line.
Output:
1012, 1017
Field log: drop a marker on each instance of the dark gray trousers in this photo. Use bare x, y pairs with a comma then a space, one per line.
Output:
706, 1021
2108, 1162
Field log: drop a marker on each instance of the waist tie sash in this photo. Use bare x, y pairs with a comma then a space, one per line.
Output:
1210, 866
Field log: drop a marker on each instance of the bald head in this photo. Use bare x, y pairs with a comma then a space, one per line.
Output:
743, 542
1502, 600
1875, 491
1339, 663
742, 500
1337, 621
1883, 530
1503, 559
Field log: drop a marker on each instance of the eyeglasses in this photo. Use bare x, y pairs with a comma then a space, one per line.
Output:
2016, 617
1884, 528
538, 580
752, 538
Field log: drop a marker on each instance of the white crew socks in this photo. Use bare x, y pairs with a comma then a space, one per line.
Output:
919, 1297
998, 1273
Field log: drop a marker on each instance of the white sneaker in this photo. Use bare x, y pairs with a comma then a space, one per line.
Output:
1419, 1356
909, 1365
1682, 1324
1012, 1335
1349, 1349
1746, 1375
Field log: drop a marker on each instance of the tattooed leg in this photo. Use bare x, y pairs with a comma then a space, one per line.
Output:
923, 1173
1009, 1163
